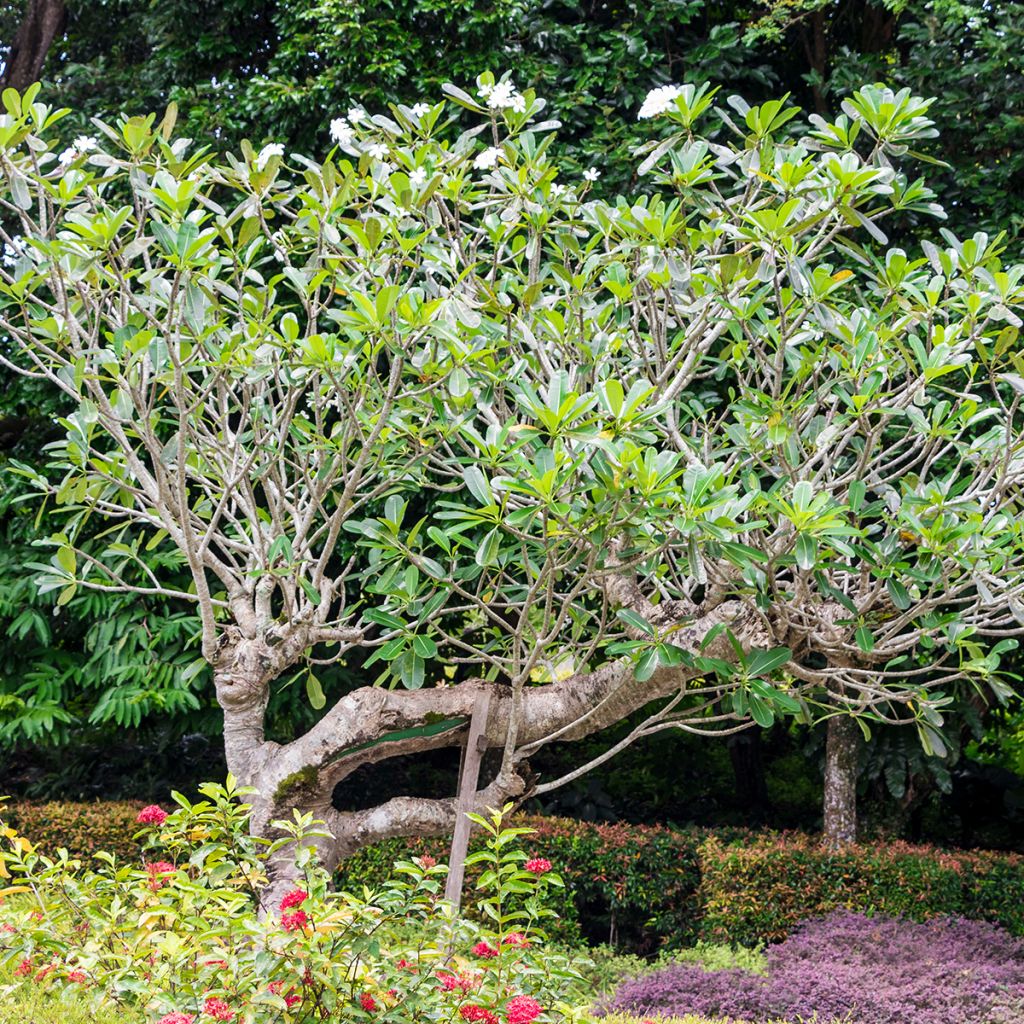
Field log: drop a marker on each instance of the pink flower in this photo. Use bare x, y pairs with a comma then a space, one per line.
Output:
9, 928
426, 861
516, 939
367, 1002
295, 921
452, 982
217, 1009
295, 898
24, 968
155, 870
177, 1018
538, 866
77, 977
485, 950
471, 1012
152, 815
522, 1010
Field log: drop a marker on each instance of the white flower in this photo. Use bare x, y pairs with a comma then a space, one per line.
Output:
10, 256
557, 190
377, 150
487, 159
356, 114
418, 178
271, 149
84, 144
419, 109
341, 131
503, 95
67, 156
591, 174
659, 100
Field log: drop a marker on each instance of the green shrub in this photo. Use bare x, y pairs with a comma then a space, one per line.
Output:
82, 828
184, 934
759, 890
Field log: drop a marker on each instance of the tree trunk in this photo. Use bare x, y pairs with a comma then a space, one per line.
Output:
840, 803
43, 22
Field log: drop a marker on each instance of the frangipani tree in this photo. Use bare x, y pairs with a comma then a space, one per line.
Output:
697, 452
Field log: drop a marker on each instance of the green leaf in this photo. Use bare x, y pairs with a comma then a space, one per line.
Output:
806, 551
865, 639
632, 619
487, 552
899, 594
424, 646
646, 665
315, 693
762, 663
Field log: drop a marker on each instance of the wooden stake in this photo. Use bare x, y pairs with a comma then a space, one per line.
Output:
469, 780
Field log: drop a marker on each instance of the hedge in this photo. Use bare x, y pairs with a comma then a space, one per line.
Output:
642, 886
759, 890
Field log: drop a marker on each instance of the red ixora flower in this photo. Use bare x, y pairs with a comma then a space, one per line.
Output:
426, 861
217, 1009
516, 939
538, 866
485, 950
25, 967
9, 928
367, 1002
472, 1012
77, 977
157, 868
177, 1018
452, 982
295, 898
522, 1010
295, 921
152, 815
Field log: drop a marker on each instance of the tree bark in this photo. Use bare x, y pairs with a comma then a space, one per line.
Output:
840, 803
44, 20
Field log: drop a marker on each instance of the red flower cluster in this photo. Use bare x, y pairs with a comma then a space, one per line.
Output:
9, 928
453, 982
426, 861
177, 1018
291, 996
472, 1012
485, 950
406, 965
516, 939
367, 1002
538, 866
295, 898
152, 815
295, 921
77, 977
218, 1009
522, 1010
155, 870
24, 968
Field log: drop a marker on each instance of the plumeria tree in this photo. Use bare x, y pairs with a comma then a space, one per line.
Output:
426, 408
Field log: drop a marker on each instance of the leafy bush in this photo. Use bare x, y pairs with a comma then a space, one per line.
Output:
82, 828
651, 887
183, 935
852, 967
758, 891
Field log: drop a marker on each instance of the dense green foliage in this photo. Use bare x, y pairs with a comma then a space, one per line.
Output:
645, 888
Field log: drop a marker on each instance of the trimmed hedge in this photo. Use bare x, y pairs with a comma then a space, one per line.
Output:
83, 828
643, 887
760, 890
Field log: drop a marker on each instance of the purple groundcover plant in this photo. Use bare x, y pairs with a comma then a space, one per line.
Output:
853, 968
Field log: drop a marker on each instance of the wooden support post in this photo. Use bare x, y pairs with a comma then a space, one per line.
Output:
469, 780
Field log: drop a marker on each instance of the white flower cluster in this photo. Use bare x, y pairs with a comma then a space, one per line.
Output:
502, 96
341, 132
488, 159
83, 144
271, 149
659, 101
